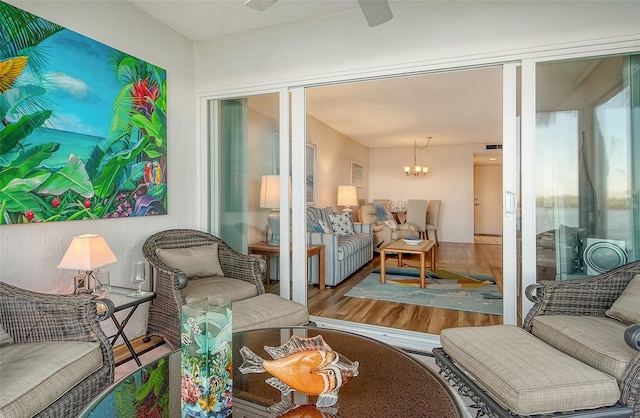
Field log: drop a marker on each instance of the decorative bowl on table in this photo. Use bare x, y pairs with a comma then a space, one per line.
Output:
412, 241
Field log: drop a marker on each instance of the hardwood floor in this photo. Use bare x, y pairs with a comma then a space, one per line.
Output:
331, 302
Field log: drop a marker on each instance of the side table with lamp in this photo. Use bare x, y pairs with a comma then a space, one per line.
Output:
87, 254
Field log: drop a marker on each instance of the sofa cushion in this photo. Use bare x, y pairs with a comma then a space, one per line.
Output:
595, 340
5, 338
34, 375
219, 286
201, 261
266, 311
526, 375
627, 307
341, 224
350, 244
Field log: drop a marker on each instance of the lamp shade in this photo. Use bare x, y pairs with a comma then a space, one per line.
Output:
347, 196
87, 252
270, 192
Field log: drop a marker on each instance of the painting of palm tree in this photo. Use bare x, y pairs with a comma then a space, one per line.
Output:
83, 132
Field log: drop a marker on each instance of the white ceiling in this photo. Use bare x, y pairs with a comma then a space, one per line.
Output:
206, 19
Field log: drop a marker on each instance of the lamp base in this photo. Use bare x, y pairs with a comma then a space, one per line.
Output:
347, 209
81, 283
274, 224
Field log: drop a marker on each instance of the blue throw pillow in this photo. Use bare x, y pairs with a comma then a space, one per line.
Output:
313, 226
381, 212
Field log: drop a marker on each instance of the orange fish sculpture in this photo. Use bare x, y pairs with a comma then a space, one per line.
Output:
307, 365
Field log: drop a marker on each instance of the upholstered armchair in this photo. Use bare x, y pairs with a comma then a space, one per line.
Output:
384, 230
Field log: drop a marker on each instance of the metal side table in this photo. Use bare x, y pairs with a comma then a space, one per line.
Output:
123, 298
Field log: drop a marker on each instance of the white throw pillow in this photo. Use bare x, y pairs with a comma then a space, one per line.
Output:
391, 224
627, 307
325, 228
341, 224
199, 261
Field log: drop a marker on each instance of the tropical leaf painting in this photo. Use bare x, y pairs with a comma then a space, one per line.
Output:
83, 132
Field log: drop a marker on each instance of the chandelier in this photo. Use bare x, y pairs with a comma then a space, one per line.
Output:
417, 170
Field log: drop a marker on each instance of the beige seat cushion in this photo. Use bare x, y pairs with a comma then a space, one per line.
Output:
223, 287
34, 375
526, 375
267, 311
201, 261
596, 341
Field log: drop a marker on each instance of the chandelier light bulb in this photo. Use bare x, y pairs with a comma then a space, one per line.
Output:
417, 169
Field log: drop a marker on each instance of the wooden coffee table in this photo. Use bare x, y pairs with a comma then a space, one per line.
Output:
400, 247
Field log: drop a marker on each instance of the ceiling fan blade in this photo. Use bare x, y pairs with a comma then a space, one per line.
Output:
260, 5
375, 11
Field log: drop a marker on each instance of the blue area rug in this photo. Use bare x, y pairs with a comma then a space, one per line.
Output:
445, 289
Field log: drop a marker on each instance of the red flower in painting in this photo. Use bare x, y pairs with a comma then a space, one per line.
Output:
143, 95
55, 202
87, 203
29, 215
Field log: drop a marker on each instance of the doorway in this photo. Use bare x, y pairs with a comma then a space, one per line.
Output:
487, 187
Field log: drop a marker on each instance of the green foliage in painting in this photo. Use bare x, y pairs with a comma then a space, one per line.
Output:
42, 181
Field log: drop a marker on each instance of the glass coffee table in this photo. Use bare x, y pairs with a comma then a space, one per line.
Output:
389, 383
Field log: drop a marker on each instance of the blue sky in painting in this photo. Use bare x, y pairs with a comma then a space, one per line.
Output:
80, 83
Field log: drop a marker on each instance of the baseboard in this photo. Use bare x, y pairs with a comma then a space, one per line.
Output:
408, 340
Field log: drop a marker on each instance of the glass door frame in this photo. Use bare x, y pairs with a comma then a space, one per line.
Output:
510, 194
208, 150
528, 135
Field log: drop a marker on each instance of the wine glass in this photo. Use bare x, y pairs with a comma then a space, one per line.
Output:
138, 276
103, 282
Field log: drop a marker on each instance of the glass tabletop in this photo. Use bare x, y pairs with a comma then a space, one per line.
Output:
123, 297
389, 382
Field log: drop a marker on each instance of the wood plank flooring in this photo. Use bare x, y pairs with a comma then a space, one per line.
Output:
331, 302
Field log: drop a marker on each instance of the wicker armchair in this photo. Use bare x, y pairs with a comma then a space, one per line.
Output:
591, 296
164, 312
30, 317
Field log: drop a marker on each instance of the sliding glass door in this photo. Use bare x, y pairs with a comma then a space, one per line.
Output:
586, 166
246, 162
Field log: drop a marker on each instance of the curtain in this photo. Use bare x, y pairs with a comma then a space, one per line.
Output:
233, 173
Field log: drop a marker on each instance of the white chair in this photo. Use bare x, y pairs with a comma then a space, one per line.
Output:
433, 208
417, 215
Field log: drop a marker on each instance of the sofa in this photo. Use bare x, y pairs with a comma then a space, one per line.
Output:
188, 265
348, 245
54, 357
578, 351
384, 227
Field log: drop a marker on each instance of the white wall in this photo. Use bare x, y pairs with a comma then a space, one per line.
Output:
421, 33
29, 254
450, 179
334, 152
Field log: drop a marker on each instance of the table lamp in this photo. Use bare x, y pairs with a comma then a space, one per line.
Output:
86, 253
347, 197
